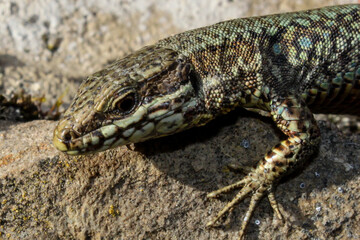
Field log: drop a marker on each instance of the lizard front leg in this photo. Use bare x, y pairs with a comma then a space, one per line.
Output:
296, 121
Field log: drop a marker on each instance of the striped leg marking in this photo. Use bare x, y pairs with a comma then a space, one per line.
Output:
297, 122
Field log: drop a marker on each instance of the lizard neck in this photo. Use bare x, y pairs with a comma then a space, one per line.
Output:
226, 62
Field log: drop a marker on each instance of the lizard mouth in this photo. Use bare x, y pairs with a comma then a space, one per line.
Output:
66, 139
62, 140
117, 133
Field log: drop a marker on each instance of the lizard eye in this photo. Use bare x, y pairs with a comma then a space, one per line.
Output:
125, 103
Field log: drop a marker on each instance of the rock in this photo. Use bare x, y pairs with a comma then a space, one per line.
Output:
158, 190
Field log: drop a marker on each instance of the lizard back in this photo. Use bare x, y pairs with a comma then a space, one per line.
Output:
314, 53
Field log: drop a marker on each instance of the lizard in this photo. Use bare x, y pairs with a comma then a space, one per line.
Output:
285, 66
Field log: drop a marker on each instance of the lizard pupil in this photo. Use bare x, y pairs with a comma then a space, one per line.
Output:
127, 104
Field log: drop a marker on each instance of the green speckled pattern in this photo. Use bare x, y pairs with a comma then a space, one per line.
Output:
315, 53
286, 66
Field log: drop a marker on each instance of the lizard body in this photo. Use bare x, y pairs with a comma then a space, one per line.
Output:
287, 66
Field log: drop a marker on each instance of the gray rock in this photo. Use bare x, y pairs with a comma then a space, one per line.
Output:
158, 190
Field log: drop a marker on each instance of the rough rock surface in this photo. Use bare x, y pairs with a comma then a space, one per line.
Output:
158, 189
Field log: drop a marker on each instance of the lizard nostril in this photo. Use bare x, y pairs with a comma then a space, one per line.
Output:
68, 134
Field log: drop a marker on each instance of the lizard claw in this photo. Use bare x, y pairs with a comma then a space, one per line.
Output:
254, 184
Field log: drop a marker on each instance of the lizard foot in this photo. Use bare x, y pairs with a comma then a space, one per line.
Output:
297, 122
252, 183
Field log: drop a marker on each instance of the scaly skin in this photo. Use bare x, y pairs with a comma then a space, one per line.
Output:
286, 66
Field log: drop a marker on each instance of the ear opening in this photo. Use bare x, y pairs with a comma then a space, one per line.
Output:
196, 83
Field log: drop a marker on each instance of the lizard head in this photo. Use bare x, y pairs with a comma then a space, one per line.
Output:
150, 93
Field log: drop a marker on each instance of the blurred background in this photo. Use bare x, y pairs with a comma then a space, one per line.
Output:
47, 47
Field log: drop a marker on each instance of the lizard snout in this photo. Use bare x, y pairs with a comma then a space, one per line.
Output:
64, 138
